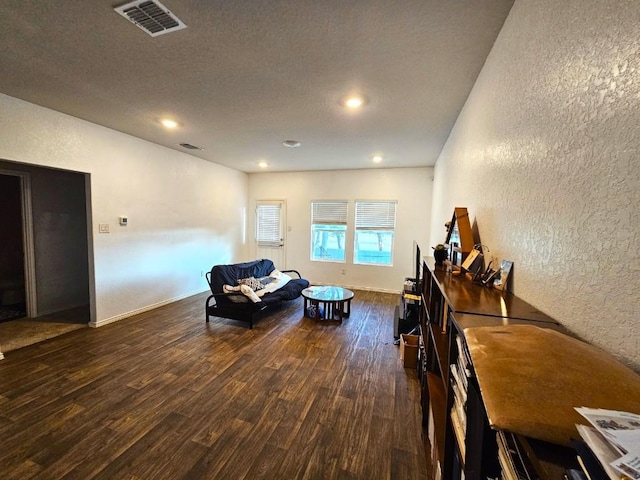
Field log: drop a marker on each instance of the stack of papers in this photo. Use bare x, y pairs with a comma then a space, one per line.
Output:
614, 439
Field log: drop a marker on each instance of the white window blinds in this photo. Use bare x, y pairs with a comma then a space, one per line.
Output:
376, 215
329, 213
268, 229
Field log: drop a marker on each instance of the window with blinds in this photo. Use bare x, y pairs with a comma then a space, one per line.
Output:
375, 228
328, 230
268, 225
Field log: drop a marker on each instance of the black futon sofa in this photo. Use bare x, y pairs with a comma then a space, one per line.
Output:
238, 307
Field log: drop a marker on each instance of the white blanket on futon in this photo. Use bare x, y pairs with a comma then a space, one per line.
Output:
279, 280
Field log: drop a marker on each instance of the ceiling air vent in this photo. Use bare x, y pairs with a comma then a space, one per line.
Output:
151, 16
190, 147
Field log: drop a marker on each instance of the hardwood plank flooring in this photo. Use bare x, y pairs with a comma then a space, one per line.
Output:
164, 395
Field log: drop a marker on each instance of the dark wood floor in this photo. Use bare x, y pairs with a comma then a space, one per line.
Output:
163, 395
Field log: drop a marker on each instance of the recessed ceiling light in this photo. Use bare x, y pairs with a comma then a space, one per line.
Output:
291, 143
377, 158
354, 101
168, 123
263, 164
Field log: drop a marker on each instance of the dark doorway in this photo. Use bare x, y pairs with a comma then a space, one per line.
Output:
12, 280
44, 253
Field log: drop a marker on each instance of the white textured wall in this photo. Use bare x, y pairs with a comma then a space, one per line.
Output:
411, 187
546, 156
185, 214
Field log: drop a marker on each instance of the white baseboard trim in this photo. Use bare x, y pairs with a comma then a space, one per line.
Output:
353, 287
122, 316
106, 321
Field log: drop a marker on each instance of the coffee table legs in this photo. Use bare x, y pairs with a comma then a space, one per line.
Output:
333, 310
346, 309
343, 309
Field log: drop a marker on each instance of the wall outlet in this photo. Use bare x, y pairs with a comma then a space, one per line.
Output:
344, 271
103, 227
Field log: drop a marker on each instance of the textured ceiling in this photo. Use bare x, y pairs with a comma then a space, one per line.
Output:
246, 75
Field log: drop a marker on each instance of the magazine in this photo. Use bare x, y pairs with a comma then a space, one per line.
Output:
621, 431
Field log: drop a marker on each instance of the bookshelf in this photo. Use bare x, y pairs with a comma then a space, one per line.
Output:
500, 380
461, 443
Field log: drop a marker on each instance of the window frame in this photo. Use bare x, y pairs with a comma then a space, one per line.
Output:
375, 216
330, 213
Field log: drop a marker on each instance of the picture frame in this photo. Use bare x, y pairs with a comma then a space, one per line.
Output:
501, 282
472, 258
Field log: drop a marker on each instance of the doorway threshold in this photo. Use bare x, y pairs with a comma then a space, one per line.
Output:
19, 333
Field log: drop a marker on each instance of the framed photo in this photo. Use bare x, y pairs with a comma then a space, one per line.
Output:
501, 281
474, 262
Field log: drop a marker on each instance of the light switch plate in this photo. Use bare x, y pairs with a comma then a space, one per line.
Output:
103, 227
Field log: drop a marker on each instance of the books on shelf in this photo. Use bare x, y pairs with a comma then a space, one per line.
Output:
514, 465
463, 373
505, 460
459, 432
463, 354
459, 386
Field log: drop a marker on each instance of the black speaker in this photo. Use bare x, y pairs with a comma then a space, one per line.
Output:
404, 325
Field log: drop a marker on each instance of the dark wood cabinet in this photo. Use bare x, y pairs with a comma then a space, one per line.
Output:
461, 441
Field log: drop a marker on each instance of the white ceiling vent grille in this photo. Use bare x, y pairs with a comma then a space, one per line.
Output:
151, 16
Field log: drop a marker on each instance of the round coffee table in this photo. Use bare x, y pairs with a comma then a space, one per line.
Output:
327, 302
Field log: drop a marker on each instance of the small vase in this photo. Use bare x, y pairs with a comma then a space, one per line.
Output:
440, 256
